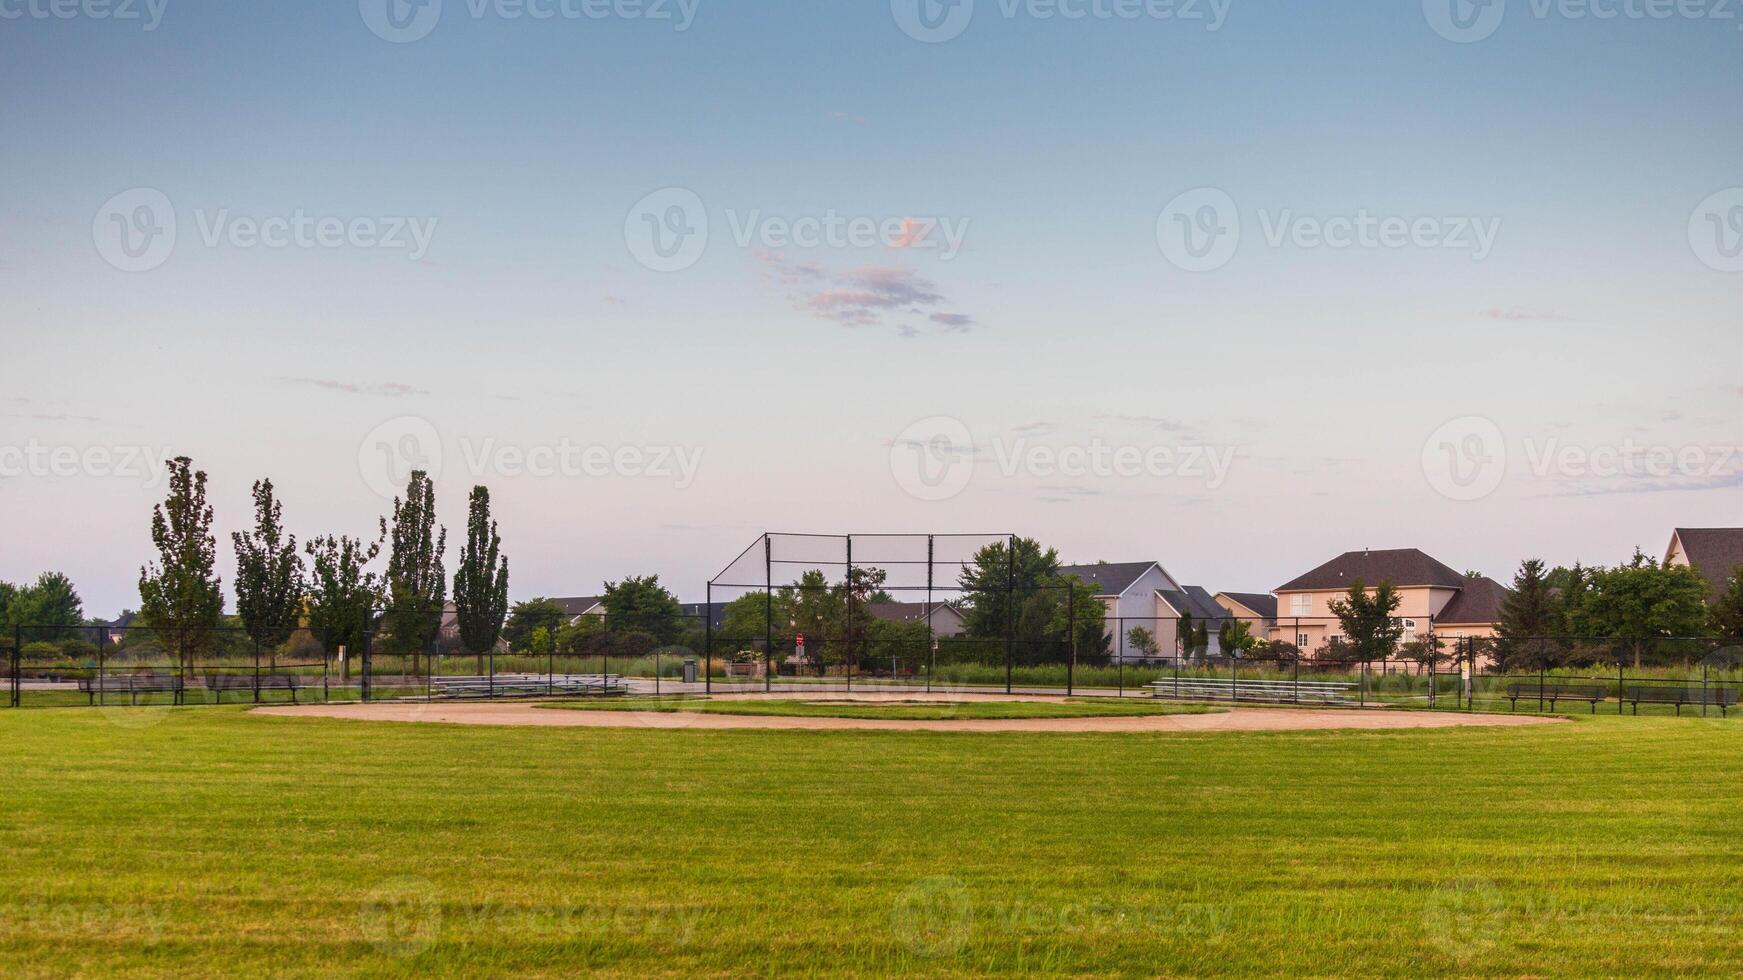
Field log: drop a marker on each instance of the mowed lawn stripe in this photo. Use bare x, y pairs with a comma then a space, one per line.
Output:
208, 839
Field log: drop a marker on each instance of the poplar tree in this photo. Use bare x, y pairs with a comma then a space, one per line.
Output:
416, 583
481, 580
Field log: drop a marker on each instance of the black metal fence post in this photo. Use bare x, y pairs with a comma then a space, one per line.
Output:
17, 659
708, 641
1010, 605
102, 658
365, 663
1070, 639
256, 671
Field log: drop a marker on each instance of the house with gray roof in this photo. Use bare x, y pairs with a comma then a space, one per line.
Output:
1715, 552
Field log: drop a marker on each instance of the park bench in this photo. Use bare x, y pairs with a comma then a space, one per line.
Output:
1251, 689
133, 685
1544, 691
1721, 697
219, 683
525, 685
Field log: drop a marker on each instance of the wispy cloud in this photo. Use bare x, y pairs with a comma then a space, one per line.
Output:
384, 389
847, 117
1523, 316
869, 295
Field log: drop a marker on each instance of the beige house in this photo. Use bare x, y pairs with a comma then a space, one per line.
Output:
1434, 598
944, 618
1257, 609
1716, 552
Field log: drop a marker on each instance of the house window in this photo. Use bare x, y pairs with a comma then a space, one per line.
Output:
1300, 605
1301, 641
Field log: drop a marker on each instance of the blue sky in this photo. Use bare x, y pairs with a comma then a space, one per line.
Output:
794, 376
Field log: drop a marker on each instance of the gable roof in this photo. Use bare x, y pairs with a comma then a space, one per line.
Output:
576, 605
908, 612
1403, 567
1715, 551
1110, 578
1477, 604
1194, 600
1263, 603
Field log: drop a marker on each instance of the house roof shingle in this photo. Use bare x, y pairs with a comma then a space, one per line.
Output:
1477, 604
1715, 551
1110, 578
1263, 603
1403, 567
1194, 600
576, 605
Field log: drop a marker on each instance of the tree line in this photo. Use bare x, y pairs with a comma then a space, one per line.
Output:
326, 586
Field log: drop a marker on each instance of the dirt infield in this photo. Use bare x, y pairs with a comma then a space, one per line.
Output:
1240, 719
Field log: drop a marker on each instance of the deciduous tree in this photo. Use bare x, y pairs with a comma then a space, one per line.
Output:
342, 595
1371, 631
180, 596
269, 573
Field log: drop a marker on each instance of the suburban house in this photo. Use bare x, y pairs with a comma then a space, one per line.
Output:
1131, 594
1433, 597
1142, 594
574, 607
945, 619
1715, 552
1257, 609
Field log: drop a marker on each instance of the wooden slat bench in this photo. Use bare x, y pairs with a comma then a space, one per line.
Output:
1552, 692
1724, 698
133, 685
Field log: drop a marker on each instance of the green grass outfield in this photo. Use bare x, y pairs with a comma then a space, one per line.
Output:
909, 711
206, 841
